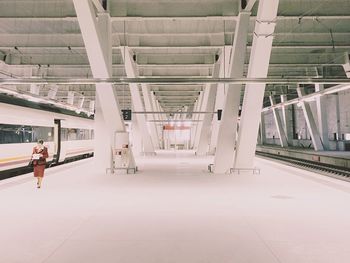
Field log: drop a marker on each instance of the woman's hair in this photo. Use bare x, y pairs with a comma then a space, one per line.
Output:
41, 141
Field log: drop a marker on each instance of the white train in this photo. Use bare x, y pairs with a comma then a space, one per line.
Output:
67, 137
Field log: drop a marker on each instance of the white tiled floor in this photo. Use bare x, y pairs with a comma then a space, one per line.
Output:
174, 211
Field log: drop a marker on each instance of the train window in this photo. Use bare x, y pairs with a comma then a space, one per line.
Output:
64, 134
72, 134
44, 133
24, 134
69, 134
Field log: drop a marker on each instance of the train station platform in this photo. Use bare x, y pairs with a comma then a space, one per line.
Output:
173, 210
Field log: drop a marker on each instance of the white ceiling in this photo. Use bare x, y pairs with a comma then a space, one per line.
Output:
170, 38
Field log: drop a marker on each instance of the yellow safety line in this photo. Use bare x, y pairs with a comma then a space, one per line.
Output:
4, 160
13, 158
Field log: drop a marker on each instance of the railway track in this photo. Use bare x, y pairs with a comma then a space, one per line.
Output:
324, 169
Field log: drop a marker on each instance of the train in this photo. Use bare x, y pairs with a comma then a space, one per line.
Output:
69, 136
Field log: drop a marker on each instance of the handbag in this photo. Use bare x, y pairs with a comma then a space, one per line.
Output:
31, 163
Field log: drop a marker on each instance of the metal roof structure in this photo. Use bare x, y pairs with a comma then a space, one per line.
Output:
169, 38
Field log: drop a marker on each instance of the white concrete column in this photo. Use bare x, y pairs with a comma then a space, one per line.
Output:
136, 137
204, 138
194, 124
52, 92
262, 129
161, 117
287, 119
346, 65
34, 89
102, 141
70, 97
81, 101
219, 104
196, 117
160, 109
310, 122
254, 93
279, 125
131, 72
157, 117
203, 133
322, 117
337, 111
205, 100
220, 98
150, 117
92, 105
228, 125
96, 34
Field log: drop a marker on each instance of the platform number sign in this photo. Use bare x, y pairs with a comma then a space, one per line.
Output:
219, 114
126, 115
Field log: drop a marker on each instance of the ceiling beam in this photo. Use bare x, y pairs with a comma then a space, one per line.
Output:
98, 6
171, 18
250, 4
175, 34
281, 46
173, 80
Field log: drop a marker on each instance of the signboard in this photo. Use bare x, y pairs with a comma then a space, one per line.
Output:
219, 115
169, 127
126, 115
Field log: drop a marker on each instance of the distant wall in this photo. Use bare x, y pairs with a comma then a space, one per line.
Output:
338, 127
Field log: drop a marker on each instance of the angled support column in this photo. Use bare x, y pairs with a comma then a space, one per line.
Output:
92, 105
278, 122
149, 107
136, 137
220, 97
196, 117
262, 129
81, 101
287, 119
322, 117
228, 125
204, 138
70, 97
254, 93
131, 72
157, 117
96, 32
310, 121
193, 127
205, 100
346, 65
249, 4
52, 92
337, 112
34, 89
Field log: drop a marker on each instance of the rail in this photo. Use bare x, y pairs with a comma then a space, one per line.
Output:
324, 169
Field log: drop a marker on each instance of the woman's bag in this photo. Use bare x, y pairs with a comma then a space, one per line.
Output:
31, 163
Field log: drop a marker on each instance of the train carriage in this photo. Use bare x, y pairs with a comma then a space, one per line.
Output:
66, 136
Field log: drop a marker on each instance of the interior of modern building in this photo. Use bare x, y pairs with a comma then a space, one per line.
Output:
159, 131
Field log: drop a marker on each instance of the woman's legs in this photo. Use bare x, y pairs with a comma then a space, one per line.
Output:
40, 179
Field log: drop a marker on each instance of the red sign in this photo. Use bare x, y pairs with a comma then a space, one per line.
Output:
169, 127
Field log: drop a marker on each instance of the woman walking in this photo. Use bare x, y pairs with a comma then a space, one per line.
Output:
39, 156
